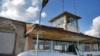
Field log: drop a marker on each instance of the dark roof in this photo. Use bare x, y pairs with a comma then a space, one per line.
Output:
62, 14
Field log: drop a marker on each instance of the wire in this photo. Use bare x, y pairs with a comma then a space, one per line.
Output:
75, 6
63, 5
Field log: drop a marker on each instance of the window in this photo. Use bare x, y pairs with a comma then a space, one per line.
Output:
43, 45
57, 45
72, 21
61, 46
89, 47
99, 47
46, 45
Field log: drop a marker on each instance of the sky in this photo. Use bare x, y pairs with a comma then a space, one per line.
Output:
28, 11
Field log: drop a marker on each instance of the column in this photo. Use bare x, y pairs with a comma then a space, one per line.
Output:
28, 43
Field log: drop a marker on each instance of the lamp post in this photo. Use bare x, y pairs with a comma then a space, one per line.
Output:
44, 2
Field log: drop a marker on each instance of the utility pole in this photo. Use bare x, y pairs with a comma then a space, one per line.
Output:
99, 33
63, 5
44, 2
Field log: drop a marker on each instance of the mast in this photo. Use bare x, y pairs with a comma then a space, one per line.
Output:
44, 2
75, 6
63, 5
99, 33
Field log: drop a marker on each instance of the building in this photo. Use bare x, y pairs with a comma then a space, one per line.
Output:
12, 34
17, 36
67, 21
63, 32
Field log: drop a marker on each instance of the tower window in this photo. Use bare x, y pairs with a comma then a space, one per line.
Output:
72, 21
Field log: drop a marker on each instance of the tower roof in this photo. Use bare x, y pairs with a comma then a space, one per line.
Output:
62, 14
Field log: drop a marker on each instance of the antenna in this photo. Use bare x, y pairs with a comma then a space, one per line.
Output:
75, 6
63, 5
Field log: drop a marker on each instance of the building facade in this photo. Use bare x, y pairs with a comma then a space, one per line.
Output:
12, 34
67, 21
63, 32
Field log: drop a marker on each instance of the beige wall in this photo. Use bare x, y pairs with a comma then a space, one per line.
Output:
19, 30
20, 40
28, 43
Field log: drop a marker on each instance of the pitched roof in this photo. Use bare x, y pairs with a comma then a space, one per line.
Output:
12, 19
62, 14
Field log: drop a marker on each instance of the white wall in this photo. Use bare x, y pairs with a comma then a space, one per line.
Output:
7, 42
72, 28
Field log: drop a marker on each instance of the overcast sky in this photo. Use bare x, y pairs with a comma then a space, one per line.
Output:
28, 11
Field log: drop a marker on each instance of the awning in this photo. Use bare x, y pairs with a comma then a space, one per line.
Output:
53, 33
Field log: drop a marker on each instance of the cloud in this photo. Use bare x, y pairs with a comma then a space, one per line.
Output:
95, 29
23, 10
43, 14
37, 22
